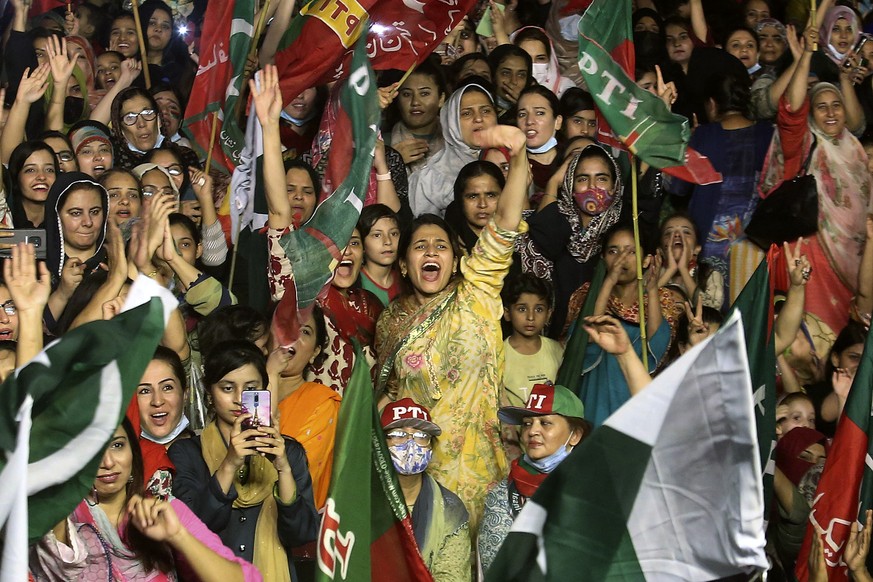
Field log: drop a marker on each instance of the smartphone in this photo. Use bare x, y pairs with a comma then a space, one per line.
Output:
34, 236
859, 46
256, 403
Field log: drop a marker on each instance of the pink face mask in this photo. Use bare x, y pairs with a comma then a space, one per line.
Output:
593, 201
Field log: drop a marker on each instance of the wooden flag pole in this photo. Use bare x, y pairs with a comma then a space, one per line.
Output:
259, 28
406, 75
812, 20
639, 253
211, 142
143, 51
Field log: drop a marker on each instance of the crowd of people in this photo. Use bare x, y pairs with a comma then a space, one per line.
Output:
490, 209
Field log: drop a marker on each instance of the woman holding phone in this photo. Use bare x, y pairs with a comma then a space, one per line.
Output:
250, 486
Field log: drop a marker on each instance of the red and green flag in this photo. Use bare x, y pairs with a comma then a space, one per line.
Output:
317, 48
755, 303
228, 28
570, 372
366, 531
845, 491
640, 120
316, 248
58, 412
668, 488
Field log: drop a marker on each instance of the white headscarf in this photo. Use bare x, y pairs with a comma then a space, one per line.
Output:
431, 187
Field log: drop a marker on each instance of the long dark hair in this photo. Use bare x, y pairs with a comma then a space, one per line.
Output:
153, 555
20, 154
853, 334
232, 355
474, 170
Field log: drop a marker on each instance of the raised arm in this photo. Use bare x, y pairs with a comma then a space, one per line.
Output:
698, 20
281, 20
268, 106
62, 64
514, 196
797, 87
791, 316
29, 288
607, 332
30, 90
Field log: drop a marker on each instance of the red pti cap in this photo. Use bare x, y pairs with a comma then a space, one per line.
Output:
405, 412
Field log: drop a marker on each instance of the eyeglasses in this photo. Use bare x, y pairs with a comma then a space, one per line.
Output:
64, 156
396, 437
150, 191
174, 170
146, 114
9, 307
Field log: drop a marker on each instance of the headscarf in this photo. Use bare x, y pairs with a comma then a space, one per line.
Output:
844, 190
794, 442
780, 28
585, 242
553, 81
142, 169
54, 234
430, 188
82, 136
824, 31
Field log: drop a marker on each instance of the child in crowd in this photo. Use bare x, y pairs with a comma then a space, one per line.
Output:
530, 358
380, 230
795, 409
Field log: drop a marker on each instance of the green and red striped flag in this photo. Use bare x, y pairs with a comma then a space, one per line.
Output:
755, 302
58, 412
228, 28
641, 121
316, 248
845, 491
668, 488
366, 531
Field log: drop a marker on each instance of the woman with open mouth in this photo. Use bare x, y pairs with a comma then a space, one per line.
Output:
839, 30
439, 343
33, 168
350, 312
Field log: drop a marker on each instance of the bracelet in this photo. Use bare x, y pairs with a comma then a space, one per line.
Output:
383, 177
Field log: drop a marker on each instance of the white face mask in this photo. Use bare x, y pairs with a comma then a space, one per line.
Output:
540, 72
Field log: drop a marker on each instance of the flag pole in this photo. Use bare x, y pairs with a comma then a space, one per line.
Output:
406, 74
235, 249
211, 142
259, 28
812, 20
143, 52
639, 255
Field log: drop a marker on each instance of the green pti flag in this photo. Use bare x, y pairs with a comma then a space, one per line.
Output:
641, 120
316, 248
668, 488
755, 303
365, 536
58, 412
570, 373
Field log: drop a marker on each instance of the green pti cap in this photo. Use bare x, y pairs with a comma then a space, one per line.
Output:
545, 399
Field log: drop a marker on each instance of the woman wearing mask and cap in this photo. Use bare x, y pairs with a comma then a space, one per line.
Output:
439, 518
552, 425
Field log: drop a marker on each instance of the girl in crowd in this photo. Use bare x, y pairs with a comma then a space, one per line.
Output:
548, 434
63, 149
125, 198
440, 344
512, 71
477, 191
578, 114
166, 56
472, 65
115, 533
122, 35
251, 486
535, 42
380, 232
32, 171
92, 147
418, 135
468, 112
308, 411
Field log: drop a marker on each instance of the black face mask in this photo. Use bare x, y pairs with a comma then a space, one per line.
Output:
74, 107
649, 46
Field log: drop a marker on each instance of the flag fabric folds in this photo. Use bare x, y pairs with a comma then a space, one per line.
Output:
641, 121
669, 488
73, 395
316, 248
401, 33
845, 491
366, 531
228, 30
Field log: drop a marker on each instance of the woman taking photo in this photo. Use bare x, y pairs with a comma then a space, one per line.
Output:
117, 534
441, 343
252, 486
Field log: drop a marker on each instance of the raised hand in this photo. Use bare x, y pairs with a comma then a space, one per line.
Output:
61, 62
501, 136
29, 285
267, 98
858, 545
666, 91
71, 275
201, 183
130, 70
387, 95
607, 332
33, 84
799, 270
239, 447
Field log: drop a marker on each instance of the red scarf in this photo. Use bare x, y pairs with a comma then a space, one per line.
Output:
526, 482
351, 321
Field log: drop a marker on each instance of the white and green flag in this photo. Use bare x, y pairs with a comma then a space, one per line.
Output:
58, 412
668, 489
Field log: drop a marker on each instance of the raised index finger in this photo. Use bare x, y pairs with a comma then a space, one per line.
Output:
660, 78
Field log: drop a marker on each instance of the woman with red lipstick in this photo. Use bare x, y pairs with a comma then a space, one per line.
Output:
441, 343
552, 424
350, 311
118, 534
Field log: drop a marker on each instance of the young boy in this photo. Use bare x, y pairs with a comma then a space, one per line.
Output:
531, 358
603, 387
